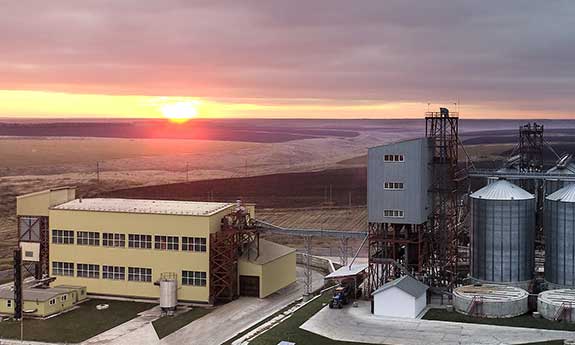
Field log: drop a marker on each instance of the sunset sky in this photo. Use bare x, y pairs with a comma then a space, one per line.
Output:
305, 59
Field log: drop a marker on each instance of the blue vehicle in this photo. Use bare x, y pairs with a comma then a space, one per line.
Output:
341, 295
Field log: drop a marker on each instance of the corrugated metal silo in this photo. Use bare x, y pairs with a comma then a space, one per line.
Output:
551, 186
560, 237
502, 234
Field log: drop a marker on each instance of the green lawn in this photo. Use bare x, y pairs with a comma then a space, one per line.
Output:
77, 325
520, 321
169, 324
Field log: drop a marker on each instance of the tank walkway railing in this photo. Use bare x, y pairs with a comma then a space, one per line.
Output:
475, 305
522, 175
566, 308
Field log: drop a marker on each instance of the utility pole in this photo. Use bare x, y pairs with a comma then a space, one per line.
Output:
98, 172
187, 172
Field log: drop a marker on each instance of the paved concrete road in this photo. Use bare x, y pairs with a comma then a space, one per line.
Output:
232, 318
358, 325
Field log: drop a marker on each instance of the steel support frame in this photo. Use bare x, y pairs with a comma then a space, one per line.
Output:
26, 234
444, 231
394, 249
238, 235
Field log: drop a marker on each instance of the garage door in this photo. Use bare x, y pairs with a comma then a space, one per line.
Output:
250, 286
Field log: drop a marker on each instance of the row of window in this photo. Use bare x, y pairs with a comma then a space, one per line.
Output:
393, 185
135, 274
90, 238
393, 158
393, 213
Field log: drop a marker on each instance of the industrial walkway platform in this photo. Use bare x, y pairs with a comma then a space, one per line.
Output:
359, 325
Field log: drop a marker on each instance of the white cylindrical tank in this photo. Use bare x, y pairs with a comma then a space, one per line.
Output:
490, 300
557, 305
168, 294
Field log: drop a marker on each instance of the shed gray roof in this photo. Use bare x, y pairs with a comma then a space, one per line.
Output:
33, 294
502, 190
347, 271
565, 194
407, 284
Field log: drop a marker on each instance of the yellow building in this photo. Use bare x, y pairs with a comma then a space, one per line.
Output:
42, 302
121, 247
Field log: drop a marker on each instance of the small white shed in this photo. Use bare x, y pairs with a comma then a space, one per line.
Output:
402, 297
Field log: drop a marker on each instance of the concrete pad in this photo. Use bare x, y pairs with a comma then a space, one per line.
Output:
136, 331
359, 325
234, 317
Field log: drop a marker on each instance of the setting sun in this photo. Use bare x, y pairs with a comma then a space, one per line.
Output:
180, 112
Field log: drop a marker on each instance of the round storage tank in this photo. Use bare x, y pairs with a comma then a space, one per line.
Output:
557, 305
551, 185
168, 294
502, 234
560, 238
490, 300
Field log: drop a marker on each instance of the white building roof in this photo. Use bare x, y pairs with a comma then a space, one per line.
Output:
407, 284
347, 271
502, 190
187, 208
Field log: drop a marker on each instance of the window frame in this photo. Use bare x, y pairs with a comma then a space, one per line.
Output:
140, 274
140, 241
89, 271
194, 278
394, 213
394, 158
117, 272
89, 241
166, 242
113, 240
66, 269
394, 185
62, 236
194, 244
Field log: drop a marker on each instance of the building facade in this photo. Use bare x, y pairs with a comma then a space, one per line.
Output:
121, 247
398, 182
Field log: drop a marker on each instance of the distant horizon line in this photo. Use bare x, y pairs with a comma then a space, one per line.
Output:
80, 118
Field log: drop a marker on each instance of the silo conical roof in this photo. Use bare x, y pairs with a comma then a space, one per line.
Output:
568, 170
502, 190
565, 194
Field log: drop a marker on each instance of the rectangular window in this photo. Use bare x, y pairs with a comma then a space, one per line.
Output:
64, 298
113, 240
113, 272
88, 238
63, 268
63, 236
393, 213
194, 244
52, 301
194, 278
166, 242
139, 274
88, 271
9, 303
393, 158
393, 185
139, 241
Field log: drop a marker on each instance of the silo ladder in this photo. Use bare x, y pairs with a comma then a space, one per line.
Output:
565, 308
474, 306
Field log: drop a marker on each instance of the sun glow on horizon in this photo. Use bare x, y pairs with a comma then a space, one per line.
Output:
180, 112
